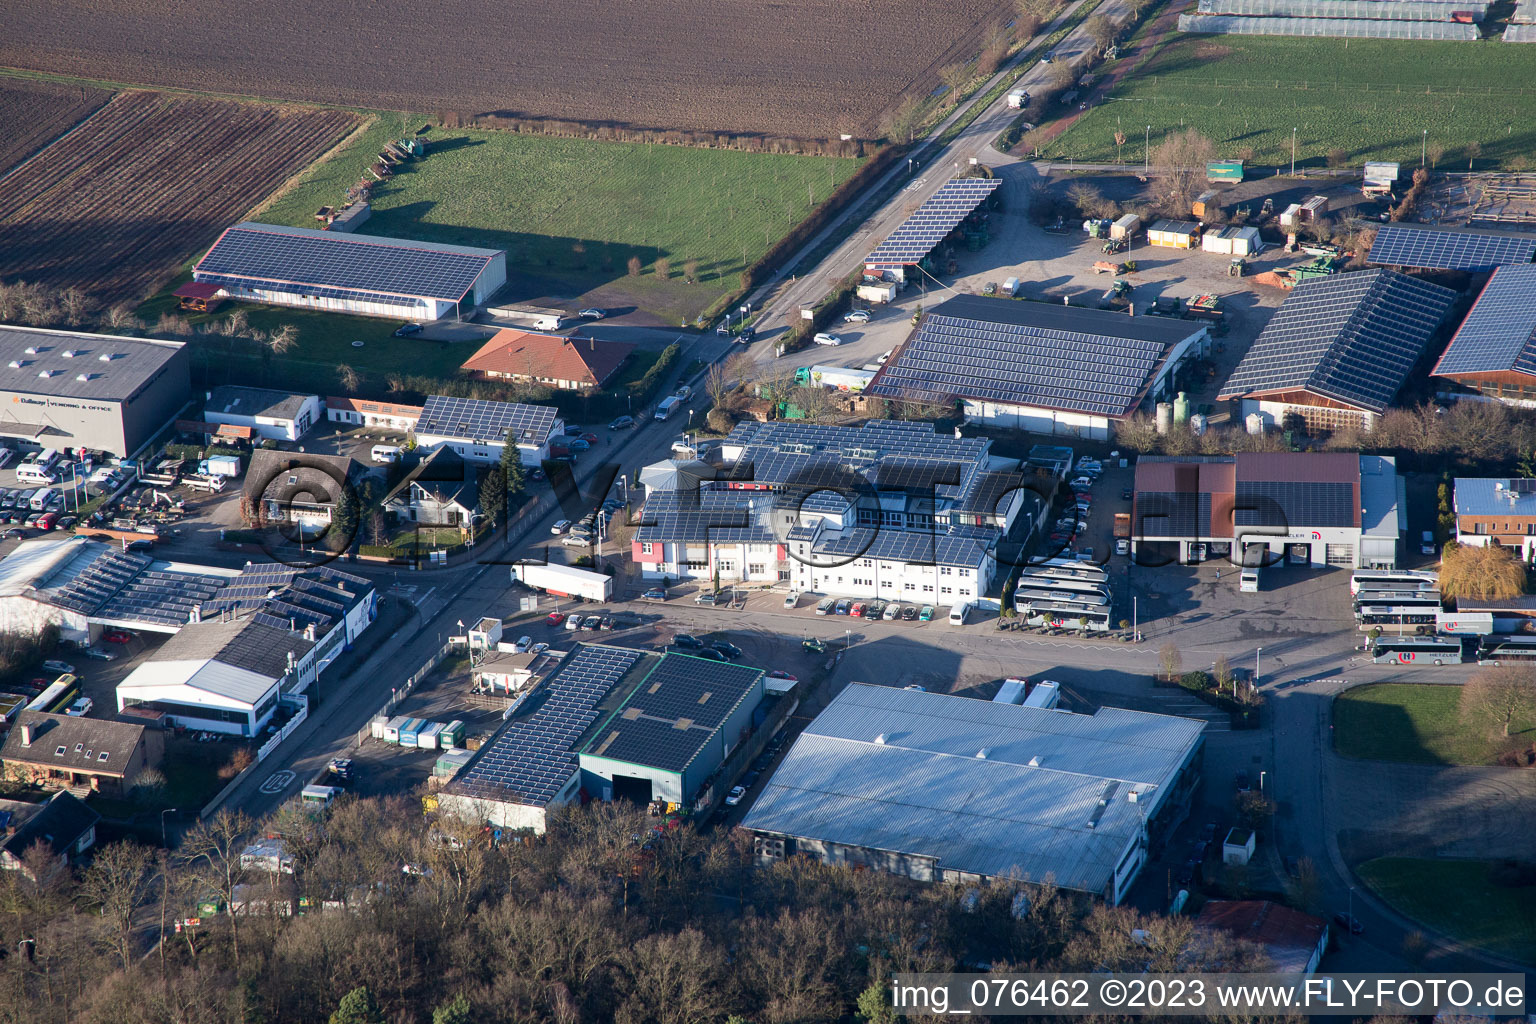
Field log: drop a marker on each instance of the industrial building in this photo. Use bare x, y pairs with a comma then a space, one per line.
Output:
266, 636
1269, 508
889, 510
349, 273
1038, 366
957, 201
1338, 350
1443, 247
70, 390
269, 414
676, 728
1496, 511
952, 789
552, 360
1492, 355
477, 430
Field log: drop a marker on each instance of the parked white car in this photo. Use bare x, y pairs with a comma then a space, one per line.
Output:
827, 339
734, 796
560, 527
857, 316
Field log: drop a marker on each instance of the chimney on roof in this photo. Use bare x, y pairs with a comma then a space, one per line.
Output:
196, 615
309, 632
291, 661
26, 734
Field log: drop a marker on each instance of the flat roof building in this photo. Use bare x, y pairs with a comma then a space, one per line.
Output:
1338, 350
1039, 366
1496, 510
351, 273
1294, 942
944, 788
365, 412
75, 390
1268, 508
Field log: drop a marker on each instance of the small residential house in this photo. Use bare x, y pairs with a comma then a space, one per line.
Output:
64, 826
441, 490
553, 360
63, 752
365, 412
1497, 511
298, 487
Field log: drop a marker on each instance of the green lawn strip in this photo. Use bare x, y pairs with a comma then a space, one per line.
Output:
1370, 98
1415, 724
1458, 898
574, 211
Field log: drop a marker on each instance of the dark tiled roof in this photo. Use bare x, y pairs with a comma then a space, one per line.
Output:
85, 742
60, 824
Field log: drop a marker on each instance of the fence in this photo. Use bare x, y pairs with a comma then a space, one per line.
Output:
261, 753
402, 691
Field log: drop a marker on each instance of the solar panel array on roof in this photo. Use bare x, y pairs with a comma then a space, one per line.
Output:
1335, 28
809, 456
1283, 503
1350, 337
389, 268
674, 711
119, 585
1088, 363
531, 759
720, 517
1500, 331
1412, 245
473, 418
937, 217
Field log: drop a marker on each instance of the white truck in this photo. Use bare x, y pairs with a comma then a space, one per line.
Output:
564, 580
843, 378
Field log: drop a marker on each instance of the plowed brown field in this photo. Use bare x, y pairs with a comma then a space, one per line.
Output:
33, 114
117, 205
807, 68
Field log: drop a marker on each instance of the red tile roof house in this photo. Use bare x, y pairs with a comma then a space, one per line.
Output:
573, 364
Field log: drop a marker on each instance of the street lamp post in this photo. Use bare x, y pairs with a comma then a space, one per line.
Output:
847, 639
1424, 148
165, 885
1256, 652
1293, 152
1146, 151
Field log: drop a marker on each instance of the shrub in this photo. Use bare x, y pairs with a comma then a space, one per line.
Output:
1197, 680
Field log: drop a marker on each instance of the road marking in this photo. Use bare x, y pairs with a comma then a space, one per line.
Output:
914, 186
277, 782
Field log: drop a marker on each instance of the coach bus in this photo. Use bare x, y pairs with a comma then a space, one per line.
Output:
1406, 598
1052, 583
1417, 650
1023, 597
1066, 569
1498, 650
1391, 579
1065, 615
57, 697
1402, 618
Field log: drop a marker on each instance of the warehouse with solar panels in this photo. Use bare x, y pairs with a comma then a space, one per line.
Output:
672, 733
477, 430
1338, 350
1493, 352
1269, 508
348, 273
73, 390
931, 223
1038, 366
940, 788
529, 768
1433, 247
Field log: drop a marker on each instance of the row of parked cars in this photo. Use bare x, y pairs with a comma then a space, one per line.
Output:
890, 611
584, 531
34, 509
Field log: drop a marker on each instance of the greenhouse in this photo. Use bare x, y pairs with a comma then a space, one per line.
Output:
1525, 13
1374, 10
1337, 28
1520, 34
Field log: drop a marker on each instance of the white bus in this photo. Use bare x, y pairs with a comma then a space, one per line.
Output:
1499, 650
1417, 650
1068, 616
1066, 568
1023, 597
1054, 584
1391, 579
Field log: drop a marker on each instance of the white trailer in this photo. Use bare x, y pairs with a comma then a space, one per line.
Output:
564, 580
1018, 99
843, 378
1011, 692
1045, 694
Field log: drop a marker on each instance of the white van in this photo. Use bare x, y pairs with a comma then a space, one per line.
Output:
40, 498
386, 453
668, 406
1248, 581
31, 472
958, 613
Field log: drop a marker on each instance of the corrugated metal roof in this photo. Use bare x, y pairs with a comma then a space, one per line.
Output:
1491, 496
923, 790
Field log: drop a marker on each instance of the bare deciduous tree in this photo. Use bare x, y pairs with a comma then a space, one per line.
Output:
210, 853
1170, 660
117, 884
1179, 163
953, 76
283, 339
1484, 573
348, 378
634, 266
662, 268
1500, 695
1101, 30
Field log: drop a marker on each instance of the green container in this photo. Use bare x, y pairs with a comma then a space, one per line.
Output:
1224, 170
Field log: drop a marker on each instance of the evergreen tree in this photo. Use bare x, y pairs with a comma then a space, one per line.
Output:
358, 1007
512, 466
345, 518
455, 1011
493, 494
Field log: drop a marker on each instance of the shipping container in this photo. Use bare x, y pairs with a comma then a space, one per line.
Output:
1224, 170
409, 730
449, 762
426, 739
1125, 227
452, 735
883, 292
391, 733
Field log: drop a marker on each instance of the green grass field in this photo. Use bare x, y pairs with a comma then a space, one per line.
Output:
1416, 724
1371, 98
1456, 897
572, 212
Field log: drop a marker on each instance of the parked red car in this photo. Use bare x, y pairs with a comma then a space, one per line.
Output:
555, 618
117, 636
